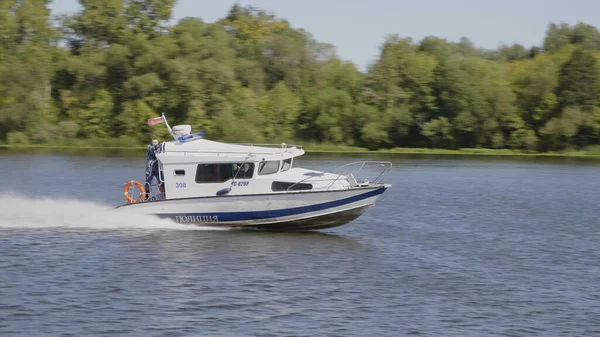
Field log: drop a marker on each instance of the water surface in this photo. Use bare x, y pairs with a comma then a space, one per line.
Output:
457, 247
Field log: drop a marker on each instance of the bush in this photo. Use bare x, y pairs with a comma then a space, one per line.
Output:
17, 138
45, 133
68, 129
593, 150
127, 141
523, 139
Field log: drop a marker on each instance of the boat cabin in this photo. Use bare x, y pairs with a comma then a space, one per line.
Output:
200, 167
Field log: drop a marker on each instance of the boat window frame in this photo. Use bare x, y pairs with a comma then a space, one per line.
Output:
259, 171
283, 164
291, 186
251, 170
179, 175
219, 181
219, 173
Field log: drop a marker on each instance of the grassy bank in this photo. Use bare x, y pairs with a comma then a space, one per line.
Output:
590, 151
109, 144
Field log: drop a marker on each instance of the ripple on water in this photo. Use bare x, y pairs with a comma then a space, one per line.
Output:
456, 248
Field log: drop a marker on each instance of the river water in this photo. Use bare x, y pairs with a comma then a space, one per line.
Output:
457, 247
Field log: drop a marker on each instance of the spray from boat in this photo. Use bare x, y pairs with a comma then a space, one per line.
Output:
26, 212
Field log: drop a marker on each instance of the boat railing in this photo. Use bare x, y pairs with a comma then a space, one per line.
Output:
361, 173
255, 151
224, 153
277, 146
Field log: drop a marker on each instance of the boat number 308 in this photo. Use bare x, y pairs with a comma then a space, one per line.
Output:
179, 185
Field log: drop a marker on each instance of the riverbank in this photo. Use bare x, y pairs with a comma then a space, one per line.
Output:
589, 152
466, 151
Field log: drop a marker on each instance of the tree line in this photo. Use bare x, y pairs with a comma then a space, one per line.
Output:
102, 72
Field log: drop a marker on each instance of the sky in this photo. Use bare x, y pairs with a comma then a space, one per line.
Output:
358, 27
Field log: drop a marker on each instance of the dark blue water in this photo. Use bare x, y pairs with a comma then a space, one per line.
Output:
454, 248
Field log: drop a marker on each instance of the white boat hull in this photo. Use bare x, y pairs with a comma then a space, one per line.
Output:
306, 210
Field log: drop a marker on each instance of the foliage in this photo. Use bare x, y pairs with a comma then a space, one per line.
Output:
100, 73
579, 81
17, 138
439, 130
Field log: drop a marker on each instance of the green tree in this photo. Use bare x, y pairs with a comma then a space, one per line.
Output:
514, 53
523, 139
280, 109
26, 68
557, 37
439, 131
534, 83
148, 17
100, 23
253, 24
251, 76
579, 81
400, 85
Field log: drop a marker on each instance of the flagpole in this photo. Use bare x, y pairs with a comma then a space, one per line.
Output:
168, 127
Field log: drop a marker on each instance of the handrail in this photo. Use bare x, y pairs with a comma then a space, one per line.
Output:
230, 153
386, 167
225, 152
279, 146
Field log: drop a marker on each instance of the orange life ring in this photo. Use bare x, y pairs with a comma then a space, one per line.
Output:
126, 188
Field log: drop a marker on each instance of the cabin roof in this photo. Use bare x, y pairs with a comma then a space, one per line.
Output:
212, 149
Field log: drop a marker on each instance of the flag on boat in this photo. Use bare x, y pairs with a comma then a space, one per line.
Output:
156, 120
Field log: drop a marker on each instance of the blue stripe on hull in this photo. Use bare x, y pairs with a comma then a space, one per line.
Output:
259, 215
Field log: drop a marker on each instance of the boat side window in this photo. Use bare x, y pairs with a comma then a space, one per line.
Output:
213, 173
278, 186
179, 172
268, 167
287, 164
243, 171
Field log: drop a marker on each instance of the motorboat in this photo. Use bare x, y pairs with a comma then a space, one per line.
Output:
253, 186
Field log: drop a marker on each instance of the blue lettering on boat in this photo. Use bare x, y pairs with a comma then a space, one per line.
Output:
196, 218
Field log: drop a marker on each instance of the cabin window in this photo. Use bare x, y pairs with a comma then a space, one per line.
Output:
278, 186
218, 173
243, 171
268, 167
179, 172
214, 173
287, 164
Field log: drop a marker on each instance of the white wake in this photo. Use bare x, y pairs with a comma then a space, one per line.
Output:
25, 212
